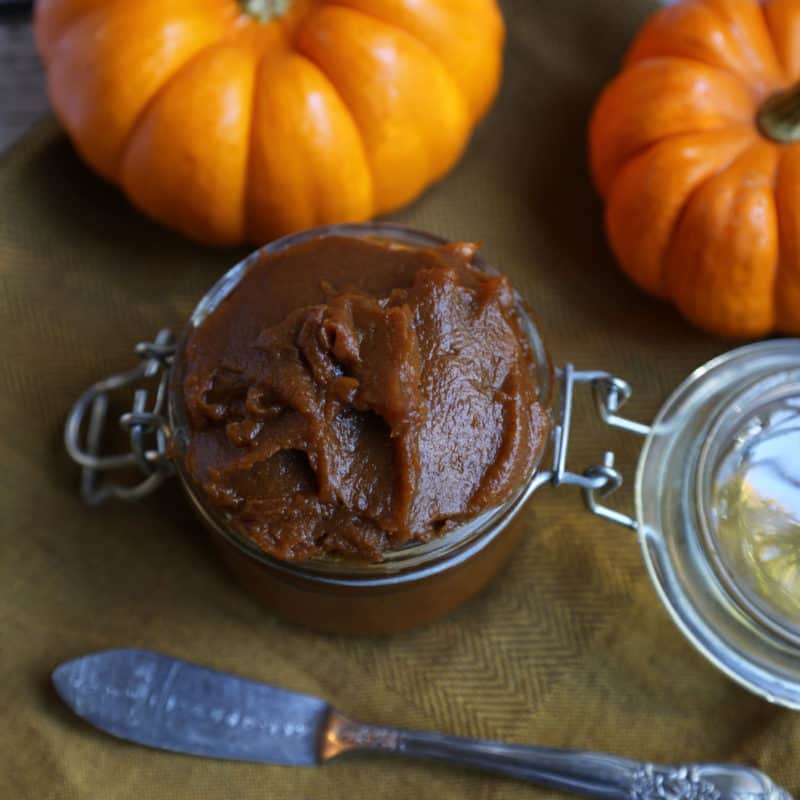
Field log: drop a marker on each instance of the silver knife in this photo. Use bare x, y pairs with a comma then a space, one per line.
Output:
162, 702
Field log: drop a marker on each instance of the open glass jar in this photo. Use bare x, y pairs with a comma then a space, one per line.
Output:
412, 585
717, 497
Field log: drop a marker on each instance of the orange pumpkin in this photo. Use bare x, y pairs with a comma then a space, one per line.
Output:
695, 147
236, 120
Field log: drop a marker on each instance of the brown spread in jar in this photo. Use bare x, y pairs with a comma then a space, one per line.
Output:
350, 396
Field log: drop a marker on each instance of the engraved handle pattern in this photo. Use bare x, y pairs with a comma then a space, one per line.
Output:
588, 774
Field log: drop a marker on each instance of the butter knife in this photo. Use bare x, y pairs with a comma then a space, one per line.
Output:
162, 702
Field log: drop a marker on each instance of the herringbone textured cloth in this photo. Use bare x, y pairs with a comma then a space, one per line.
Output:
569, 647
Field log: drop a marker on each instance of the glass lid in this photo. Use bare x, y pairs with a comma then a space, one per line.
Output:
718, 506
749, 494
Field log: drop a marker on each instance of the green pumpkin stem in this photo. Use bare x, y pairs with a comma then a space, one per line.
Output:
265, 10
779, 116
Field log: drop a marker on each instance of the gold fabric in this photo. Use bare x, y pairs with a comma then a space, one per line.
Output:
568, 647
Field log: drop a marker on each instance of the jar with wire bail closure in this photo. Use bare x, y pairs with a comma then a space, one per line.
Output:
411, 583
716, 498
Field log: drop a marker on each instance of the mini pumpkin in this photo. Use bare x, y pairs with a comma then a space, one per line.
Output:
695, 148
235, 120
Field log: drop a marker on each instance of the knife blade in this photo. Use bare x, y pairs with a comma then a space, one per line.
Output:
166, 703
169, 704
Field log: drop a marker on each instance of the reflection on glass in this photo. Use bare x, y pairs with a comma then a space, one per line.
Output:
756, 508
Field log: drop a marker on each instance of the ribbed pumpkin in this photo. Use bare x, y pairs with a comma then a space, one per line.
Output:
695, 147
236, 120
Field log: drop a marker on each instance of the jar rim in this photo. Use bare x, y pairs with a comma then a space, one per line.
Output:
416, 560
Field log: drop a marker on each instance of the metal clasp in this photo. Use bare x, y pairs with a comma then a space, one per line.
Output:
600, 480
86, 425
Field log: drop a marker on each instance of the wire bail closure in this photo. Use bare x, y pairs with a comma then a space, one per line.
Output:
90, 412
86, 425
598, 481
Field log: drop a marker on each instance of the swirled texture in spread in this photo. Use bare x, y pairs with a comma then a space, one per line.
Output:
351, 396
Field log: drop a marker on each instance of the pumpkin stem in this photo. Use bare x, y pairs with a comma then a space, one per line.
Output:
265, 10
779, 116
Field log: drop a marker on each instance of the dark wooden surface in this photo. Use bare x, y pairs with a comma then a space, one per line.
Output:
22, 87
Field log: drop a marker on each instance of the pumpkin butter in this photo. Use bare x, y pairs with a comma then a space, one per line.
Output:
351, 396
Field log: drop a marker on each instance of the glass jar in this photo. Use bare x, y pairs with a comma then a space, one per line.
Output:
410, 586
717, 498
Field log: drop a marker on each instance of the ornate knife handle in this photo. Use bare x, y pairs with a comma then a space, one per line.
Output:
589, 774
